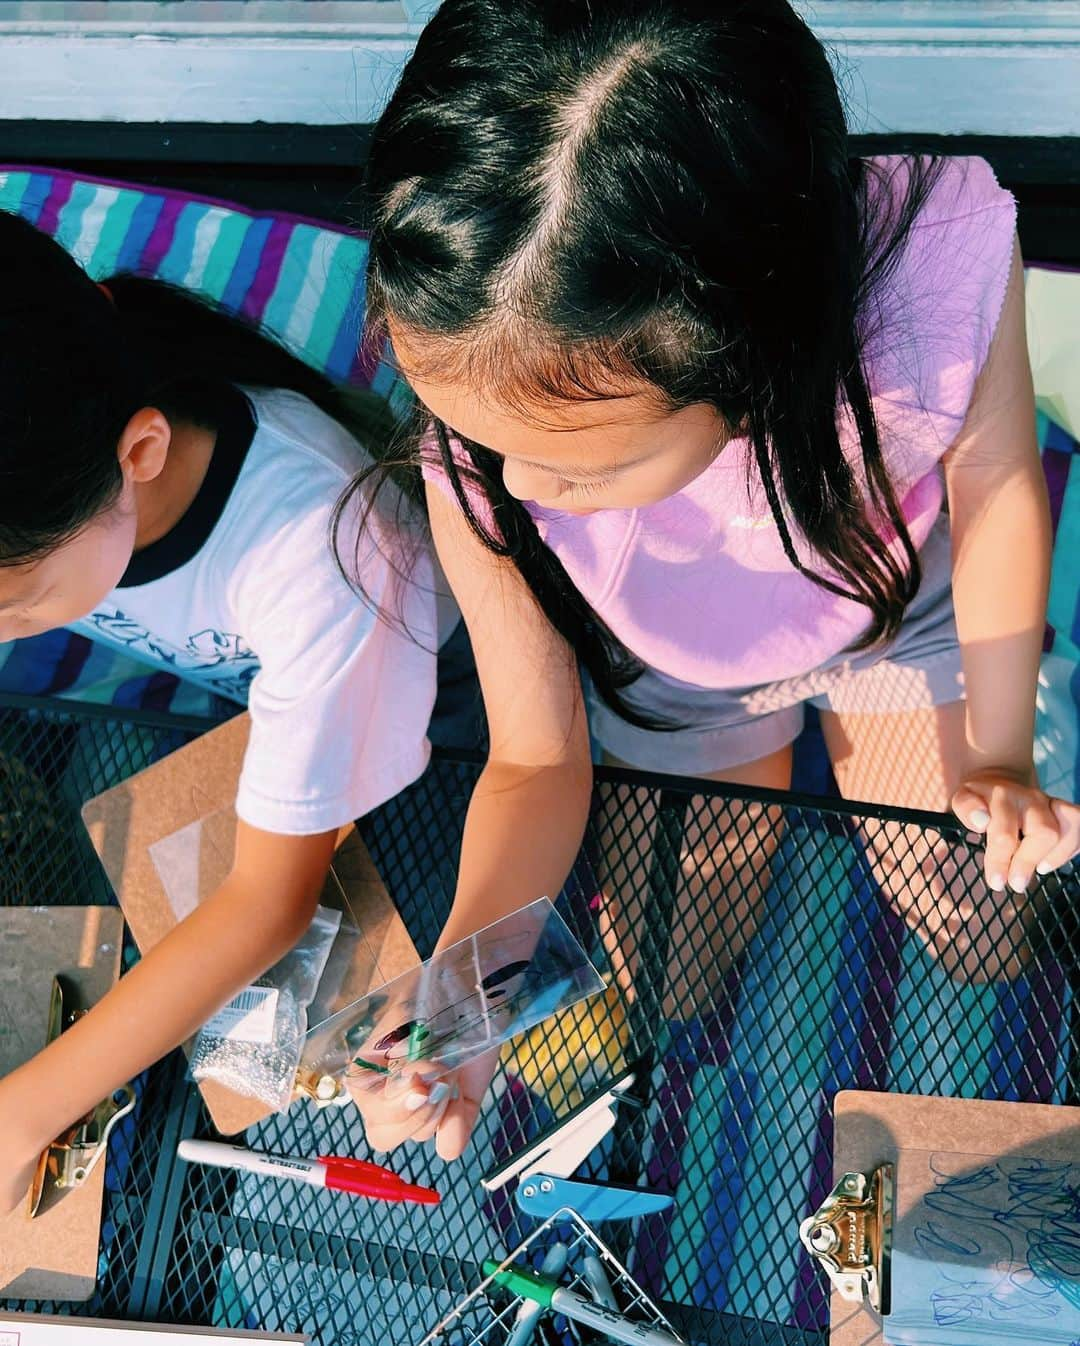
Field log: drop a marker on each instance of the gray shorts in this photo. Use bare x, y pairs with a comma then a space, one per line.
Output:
728, 728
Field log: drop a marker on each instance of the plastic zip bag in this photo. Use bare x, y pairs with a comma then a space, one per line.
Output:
254, 1044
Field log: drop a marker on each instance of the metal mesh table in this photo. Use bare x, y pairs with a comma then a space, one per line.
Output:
735, 1061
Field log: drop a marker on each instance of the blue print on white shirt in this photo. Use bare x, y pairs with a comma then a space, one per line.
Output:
220, 659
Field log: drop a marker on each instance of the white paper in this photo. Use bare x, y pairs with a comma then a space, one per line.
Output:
990, 1255
31, 1330
248, 1017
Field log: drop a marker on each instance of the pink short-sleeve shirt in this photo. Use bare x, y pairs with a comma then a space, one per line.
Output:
697, 586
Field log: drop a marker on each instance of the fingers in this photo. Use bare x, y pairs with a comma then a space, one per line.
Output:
1040, 837
1026, 832
1067, 817
972, 808
456, 1127
1002, 837
408, 1106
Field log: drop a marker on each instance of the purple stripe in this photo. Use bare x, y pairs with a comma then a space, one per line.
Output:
269, 269
1056, 466
161, 236
1040, 1043
709, 1045
70, 664
369, 353
159, 692
184, 197
884, 970
59, 196
811, 1300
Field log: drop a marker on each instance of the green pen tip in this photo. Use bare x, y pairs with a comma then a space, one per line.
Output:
521, 1282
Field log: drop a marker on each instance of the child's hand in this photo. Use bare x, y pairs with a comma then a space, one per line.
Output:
420, 1103
1027, 832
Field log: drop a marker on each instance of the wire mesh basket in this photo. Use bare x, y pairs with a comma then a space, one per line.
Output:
488, 1316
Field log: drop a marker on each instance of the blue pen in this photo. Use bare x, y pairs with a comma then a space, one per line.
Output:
529, 1312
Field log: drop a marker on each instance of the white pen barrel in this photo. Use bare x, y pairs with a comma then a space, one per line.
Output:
218, 1155
212, 1152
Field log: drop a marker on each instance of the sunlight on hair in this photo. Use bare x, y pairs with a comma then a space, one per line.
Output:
558, 180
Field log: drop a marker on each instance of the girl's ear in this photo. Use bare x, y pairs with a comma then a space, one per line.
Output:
144, 445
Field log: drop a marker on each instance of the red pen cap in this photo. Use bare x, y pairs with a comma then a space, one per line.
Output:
363, 1179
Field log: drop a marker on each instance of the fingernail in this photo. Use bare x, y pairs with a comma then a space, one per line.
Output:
416, 1100
438, 1093
997, 882
980, 819
1018, 882
1043, 868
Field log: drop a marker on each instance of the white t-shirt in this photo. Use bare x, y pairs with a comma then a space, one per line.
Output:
244, 596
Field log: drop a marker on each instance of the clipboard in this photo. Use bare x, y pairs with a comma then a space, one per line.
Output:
55, 1255
873, 1129
45, 1330
195, 788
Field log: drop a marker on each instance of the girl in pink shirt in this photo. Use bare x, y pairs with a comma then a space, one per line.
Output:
731, 420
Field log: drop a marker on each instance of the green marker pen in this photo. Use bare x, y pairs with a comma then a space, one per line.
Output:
575, 1307
418, 1035
371, 1065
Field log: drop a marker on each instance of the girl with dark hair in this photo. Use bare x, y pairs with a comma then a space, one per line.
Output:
169, 480
732, 419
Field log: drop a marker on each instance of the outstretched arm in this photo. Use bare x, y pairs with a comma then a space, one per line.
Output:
252, 920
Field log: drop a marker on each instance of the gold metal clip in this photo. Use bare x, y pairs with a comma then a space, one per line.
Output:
73, 1156
850, 1235
325, 1091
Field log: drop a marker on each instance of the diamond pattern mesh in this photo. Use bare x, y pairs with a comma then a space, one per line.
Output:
53, 757
763, 952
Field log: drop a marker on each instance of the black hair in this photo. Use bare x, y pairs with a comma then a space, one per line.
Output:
568, 195
78, 360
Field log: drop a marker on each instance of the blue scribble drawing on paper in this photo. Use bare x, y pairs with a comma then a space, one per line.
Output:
993, 1254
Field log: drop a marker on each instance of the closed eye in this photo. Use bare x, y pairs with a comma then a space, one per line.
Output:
580, 488
588, 481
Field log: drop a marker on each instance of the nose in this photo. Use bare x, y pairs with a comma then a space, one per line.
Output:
526, 483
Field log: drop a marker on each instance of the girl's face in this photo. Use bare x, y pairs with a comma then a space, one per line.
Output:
578, 457
72, 580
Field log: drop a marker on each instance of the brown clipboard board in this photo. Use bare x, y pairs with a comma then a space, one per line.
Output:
54, 1255
198, 783
872, 1129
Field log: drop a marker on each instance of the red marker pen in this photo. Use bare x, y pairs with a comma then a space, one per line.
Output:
355, 1176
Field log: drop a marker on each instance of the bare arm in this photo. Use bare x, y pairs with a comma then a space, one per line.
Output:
1001, 566
251, 921
528, 812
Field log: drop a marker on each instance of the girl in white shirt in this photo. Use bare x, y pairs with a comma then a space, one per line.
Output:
170, 477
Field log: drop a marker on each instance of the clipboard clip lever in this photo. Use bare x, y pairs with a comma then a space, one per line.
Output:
70, 1159
850, 1236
